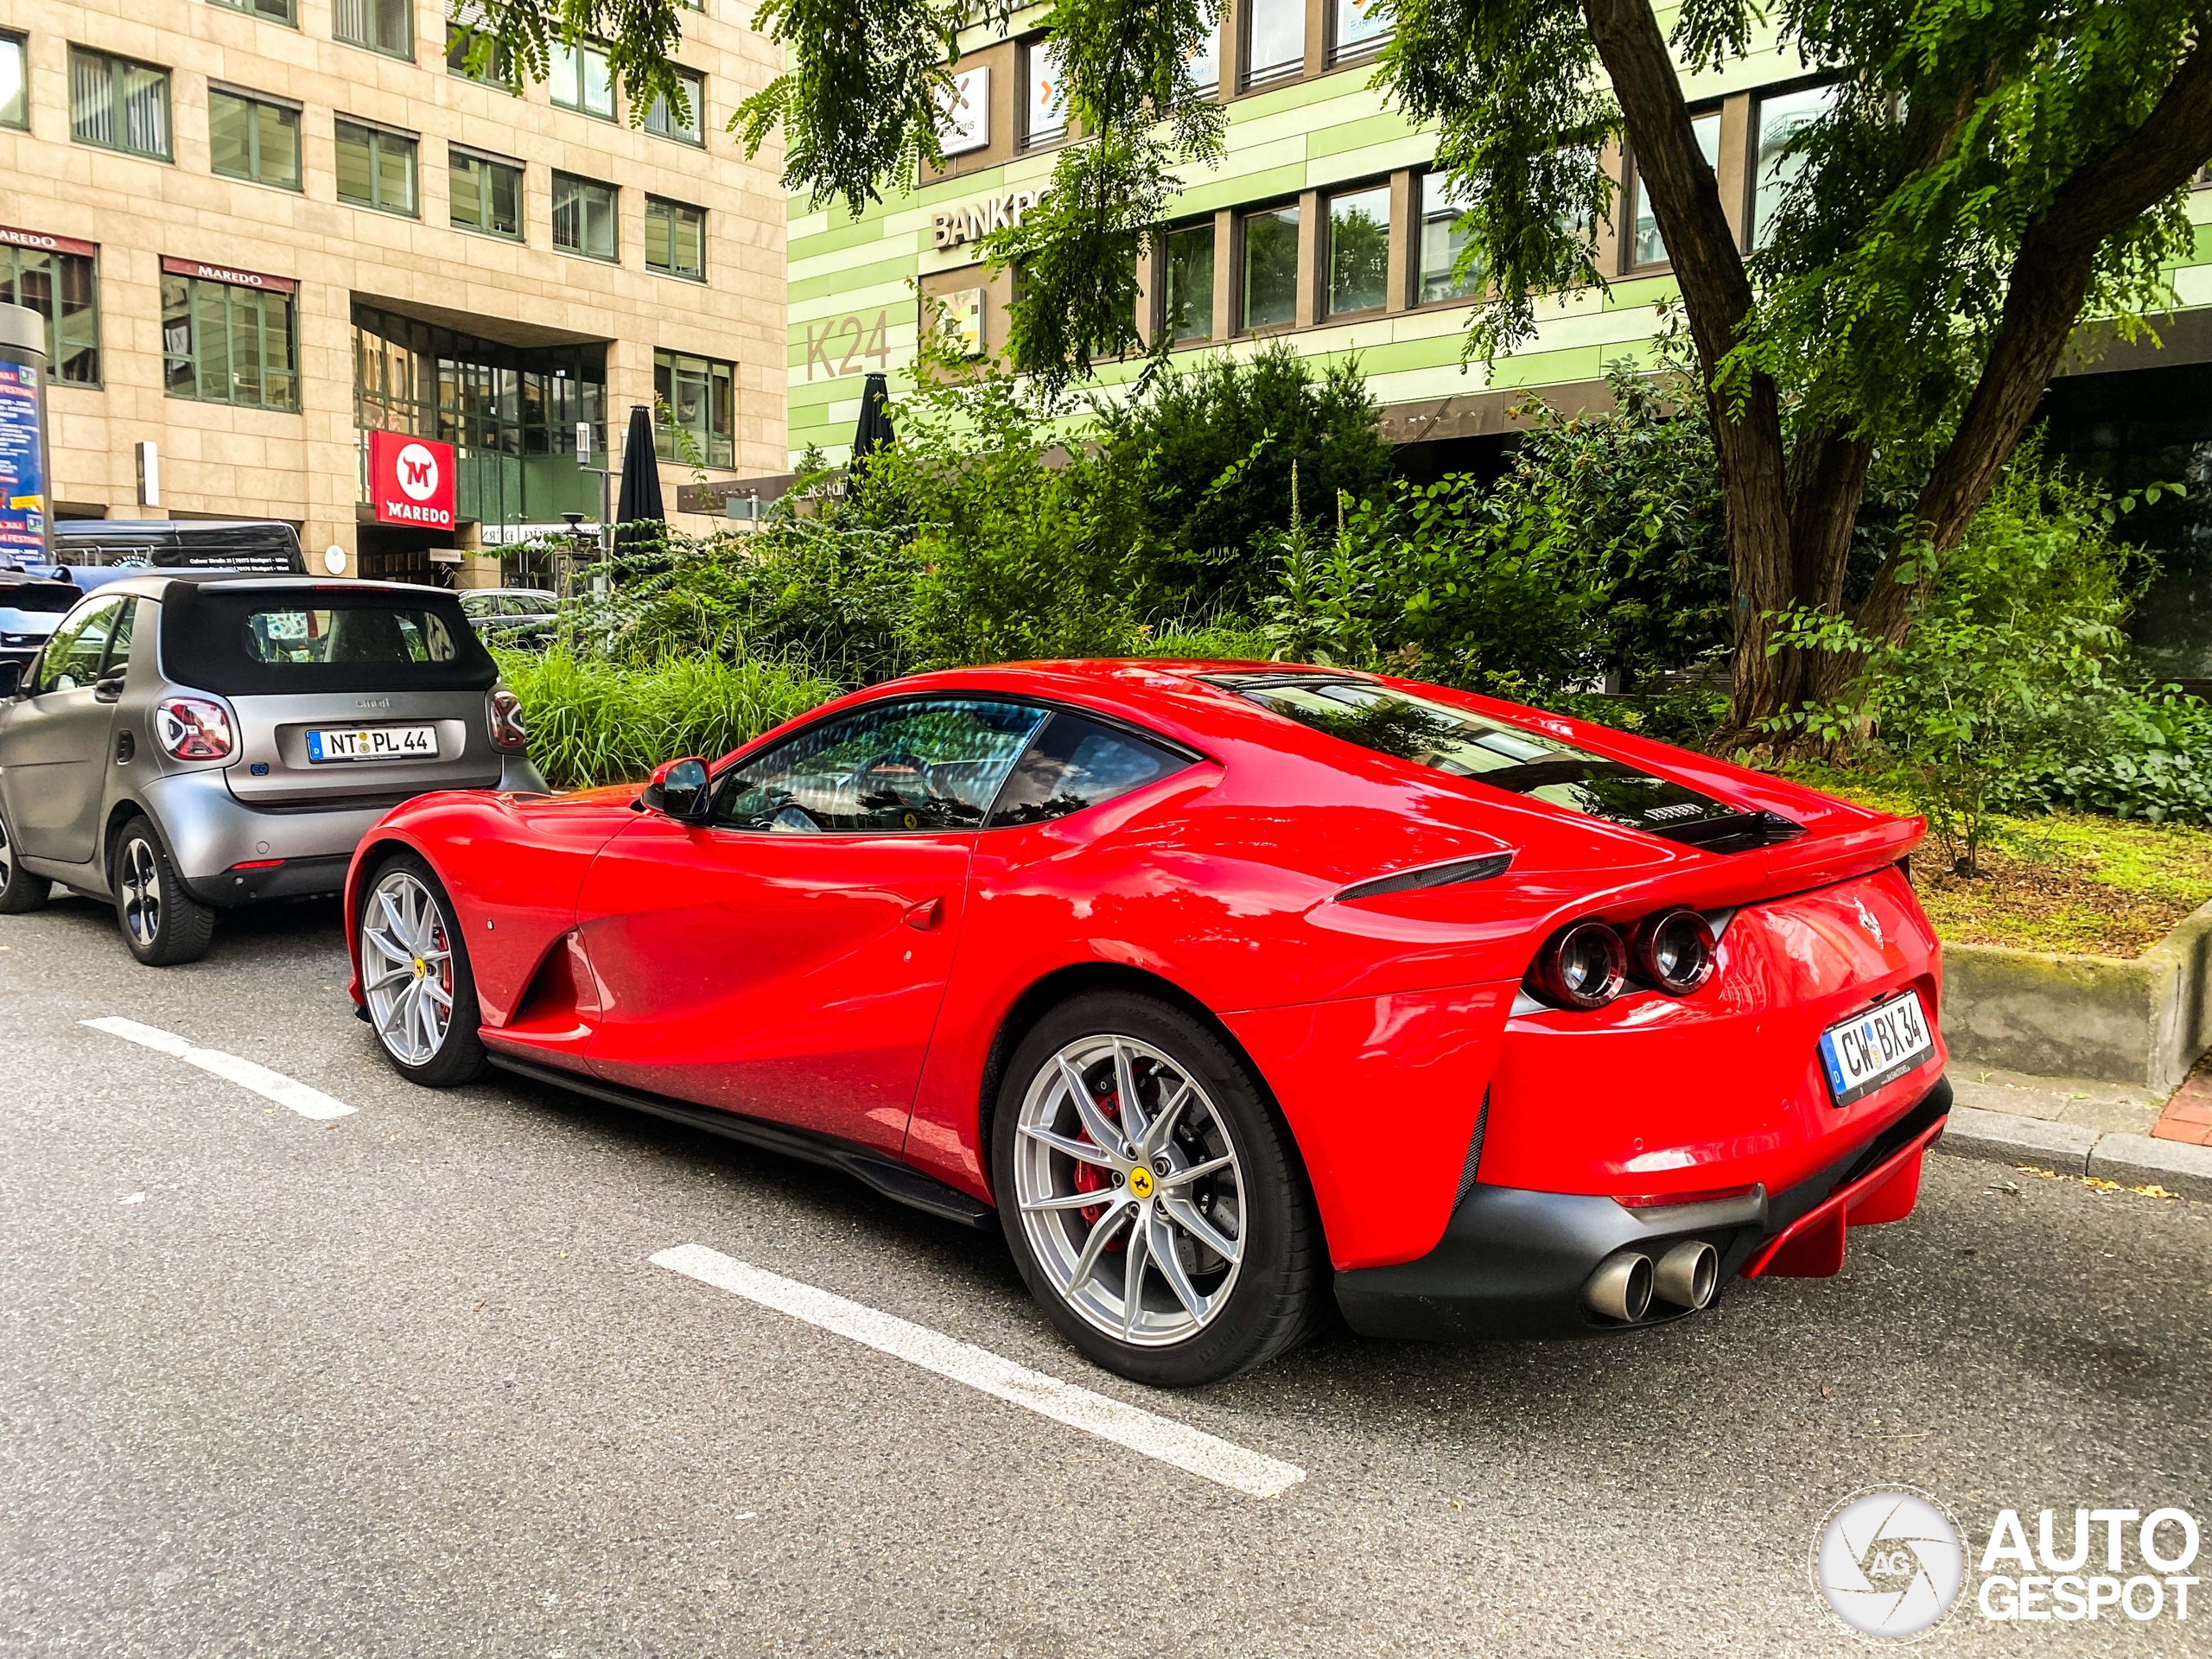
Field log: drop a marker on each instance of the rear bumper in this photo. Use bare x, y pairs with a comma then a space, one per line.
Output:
229, 854
1513, 1263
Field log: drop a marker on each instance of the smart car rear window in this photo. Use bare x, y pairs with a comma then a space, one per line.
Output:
1077, 763
1531, 762
245, 642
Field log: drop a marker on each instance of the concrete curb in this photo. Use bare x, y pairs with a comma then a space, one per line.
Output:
2073, 1150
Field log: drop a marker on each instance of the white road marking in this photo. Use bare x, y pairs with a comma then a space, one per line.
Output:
269, 1085
1187, 1448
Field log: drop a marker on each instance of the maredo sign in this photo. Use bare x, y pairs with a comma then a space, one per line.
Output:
411, 480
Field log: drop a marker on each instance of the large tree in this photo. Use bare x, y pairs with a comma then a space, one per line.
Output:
1989, 174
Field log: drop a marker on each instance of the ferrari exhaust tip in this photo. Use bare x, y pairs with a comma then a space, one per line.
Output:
1687, 1274
1621, 1288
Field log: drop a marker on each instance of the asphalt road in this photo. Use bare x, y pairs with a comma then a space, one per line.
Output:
406, 1383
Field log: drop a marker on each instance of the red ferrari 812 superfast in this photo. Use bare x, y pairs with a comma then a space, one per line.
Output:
1222, 990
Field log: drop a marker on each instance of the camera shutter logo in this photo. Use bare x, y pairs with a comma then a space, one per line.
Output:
1891, 1562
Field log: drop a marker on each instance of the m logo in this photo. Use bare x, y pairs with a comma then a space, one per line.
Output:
418, 473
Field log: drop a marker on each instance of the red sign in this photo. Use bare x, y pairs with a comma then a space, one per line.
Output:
10, 237
411, 480
230, 274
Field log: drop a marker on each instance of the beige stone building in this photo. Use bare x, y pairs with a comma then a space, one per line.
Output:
260, 227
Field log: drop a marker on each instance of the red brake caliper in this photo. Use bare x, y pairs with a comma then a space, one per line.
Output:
1088, 1178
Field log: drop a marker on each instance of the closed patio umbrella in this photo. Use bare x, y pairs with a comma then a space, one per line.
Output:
873, 432
639, 501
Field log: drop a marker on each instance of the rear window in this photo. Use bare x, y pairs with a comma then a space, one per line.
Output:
356, 634
1468, 745
246, 643
40, 598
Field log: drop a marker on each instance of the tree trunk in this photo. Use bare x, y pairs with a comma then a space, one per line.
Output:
1717, 298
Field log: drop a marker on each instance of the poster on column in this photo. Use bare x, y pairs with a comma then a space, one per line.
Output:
22, 464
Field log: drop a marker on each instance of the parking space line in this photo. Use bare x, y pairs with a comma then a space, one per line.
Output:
1188, 1449
269, 1085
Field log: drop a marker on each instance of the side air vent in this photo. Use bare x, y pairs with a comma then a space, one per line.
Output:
1430, 876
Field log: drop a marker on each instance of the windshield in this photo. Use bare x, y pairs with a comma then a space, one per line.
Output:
1469, 745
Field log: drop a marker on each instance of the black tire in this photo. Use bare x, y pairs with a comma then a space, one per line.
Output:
20, 891
164, 925
1272, 1299
458, 1055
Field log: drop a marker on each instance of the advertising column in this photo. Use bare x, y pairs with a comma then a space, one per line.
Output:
23, 518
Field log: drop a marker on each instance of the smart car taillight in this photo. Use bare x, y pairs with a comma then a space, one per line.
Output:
1584, 965
1673, 950
192, 728
503, 712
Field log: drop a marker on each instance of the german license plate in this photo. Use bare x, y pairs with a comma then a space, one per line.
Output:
1876, 1047
374, 743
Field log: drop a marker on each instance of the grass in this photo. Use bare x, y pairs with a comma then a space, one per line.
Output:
2069, 882
592, 723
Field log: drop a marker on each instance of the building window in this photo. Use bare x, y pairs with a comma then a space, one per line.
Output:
1271, 267
700, 394
1274, 40
253, 138
276, 11
64, 289
386, 26
1442, 242
1045, 105
1187, 294
484, 194
1775, 121
1645, 245
473, 53
676, 239
1205, 63
1359, 249
583, 218
14, 82
1357, 30
375, 168
118, 104
227, 345
691, 128
580, 79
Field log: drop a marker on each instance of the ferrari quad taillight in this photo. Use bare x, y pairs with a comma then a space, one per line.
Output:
1584, 965
1673, 950
503, 715
193, 729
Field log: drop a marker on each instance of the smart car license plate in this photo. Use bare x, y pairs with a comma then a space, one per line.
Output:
374, 743
1876, 1047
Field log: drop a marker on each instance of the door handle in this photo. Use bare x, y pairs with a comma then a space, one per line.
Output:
930, 913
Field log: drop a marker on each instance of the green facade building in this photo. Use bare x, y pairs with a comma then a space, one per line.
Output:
1323, 226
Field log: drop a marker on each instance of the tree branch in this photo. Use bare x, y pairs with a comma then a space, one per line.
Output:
2046, 289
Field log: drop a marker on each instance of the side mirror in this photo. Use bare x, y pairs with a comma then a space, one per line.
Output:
109, 687
678, 790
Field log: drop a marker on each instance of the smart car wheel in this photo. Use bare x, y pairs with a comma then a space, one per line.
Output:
19, 890
162, 923
415, 978
1151, 1199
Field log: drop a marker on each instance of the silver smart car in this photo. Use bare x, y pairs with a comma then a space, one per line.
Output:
186, 742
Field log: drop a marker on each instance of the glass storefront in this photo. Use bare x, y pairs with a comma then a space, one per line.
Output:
510, 412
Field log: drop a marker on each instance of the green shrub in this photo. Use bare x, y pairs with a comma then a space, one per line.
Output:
595, 722
1206, 456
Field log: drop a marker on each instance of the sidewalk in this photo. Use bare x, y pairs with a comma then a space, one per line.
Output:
2102, 1130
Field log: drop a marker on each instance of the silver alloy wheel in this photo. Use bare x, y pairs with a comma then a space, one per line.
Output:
7, 856
407, 968
141, 882
1131, 1196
